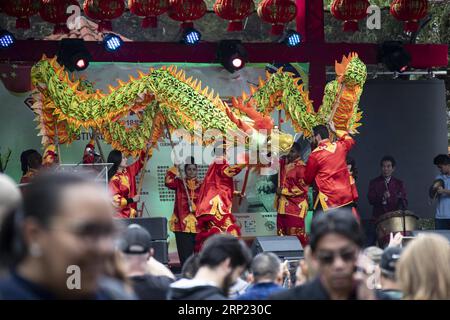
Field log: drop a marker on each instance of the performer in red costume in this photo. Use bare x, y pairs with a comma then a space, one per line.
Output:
215, 201
89, 152
327, 167
122, 183
183, 221
291, 201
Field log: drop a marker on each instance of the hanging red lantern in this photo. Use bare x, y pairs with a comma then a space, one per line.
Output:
410, 12
104, 11
149, 9
349, 11
278, 13
22, 10
187, 11
55, 11
235, 11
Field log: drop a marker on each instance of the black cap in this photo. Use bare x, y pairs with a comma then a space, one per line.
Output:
135, 240
389, 260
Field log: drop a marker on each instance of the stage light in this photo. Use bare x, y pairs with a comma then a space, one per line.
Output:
232, 55
7, 39
291, 38
112, 42
191, 36
73, 55
394, 56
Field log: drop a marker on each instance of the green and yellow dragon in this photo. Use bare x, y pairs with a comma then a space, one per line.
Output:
166, 97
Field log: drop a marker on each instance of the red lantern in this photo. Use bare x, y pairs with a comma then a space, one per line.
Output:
149, 9
22, 10
104, 10
235, 11
410, 12
187, 11
350, 11
278, 13
54, 11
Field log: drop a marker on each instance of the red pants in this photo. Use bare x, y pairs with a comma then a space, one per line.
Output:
288, 225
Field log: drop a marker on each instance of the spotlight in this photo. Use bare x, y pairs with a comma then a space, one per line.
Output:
7, 39
73, 55
191, 36
112, 42
232, 55
291, 38
394, 56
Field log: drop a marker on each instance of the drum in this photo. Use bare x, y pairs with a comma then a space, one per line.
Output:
395, 221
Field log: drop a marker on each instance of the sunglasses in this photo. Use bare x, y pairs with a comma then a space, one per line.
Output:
328, 257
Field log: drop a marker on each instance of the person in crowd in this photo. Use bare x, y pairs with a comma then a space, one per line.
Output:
190, 267
183, 221
353, 171
386, 192
442, 192
122, 183
327, 167
222, 260
31, 162
422, 270
10, 200
215, 199
292, 196
268, 276
64, 229
390, 288
306, 269
335, 241
136, 247
239, 287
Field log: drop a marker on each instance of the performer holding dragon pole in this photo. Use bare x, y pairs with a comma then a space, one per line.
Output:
216, 199
183, 221
292, 196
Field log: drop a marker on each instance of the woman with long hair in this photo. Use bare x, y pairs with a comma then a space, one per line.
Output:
122, 183
423, 269
183, 221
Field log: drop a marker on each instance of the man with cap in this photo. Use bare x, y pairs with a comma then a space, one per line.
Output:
136, 246
389, 287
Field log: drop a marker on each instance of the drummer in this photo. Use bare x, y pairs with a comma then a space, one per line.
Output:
442, 192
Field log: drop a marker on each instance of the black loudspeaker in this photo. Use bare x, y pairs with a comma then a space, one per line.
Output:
161, 251
156, 226
444, 233
286, 247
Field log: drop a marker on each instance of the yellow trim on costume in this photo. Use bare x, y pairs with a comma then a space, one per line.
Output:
323, 201
190, 221
231, 170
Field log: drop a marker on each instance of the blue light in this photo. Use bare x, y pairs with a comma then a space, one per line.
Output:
6, 39
293, 39
112, 42
191, 36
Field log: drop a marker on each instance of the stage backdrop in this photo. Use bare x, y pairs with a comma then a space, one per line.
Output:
17, 132
408, 120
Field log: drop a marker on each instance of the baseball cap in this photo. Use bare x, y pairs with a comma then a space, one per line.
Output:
135, 240
389, 260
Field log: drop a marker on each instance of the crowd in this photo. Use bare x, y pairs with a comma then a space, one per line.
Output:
59, 241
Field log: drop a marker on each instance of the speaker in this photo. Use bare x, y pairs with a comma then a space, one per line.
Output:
444, 233
161, 251
286, 247
156, 226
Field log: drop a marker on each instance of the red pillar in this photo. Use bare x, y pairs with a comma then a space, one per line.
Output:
310, 24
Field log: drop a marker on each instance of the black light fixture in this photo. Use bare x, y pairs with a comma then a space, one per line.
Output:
394, 56
291, 38
7, 39
191, 36
232, 55
73, 54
